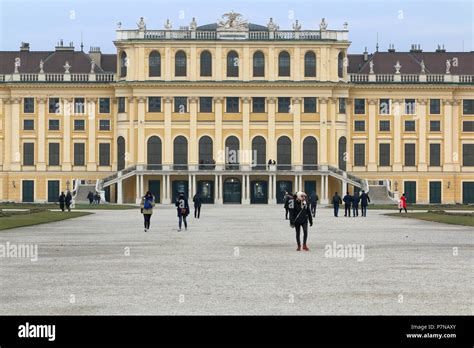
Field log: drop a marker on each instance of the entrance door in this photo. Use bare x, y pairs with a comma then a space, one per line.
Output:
468, 192
310, 187
232, 191
410, 191
28, 189
154, 186
282, 187
53, 191
207, 191
258, 192
435, 192
179, 186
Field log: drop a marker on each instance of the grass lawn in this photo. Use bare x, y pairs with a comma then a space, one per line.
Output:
447, 218
14, 219
56, 206
424, 206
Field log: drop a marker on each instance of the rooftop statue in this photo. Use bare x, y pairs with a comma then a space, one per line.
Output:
296, 26
272, 26
141, 24
232, 21
168, 25
193, 24
323, 25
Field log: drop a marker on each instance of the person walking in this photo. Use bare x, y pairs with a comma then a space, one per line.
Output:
347, 204
313, 198
336, 200
62, 201
403, 203
288, 201
146, 207
90, 197
98, 198
364, 202
300, 215
182, 207
355, 204
197, 205
68, 200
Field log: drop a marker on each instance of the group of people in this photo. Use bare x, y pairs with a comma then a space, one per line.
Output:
65, 200
351, 202
94, 198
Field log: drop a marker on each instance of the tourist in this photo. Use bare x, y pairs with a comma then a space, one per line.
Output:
90, 197
364, 201
68, 200
62, 200
313, 198
146, 207
347, 204
183, 210
300, 215
355, 204
98, 198
402, 204
197, 205
287, 200
336, 200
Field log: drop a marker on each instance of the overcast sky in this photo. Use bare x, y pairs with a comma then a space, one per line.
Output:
402, 22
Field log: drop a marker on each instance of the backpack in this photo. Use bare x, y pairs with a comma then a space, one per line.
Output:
147, 204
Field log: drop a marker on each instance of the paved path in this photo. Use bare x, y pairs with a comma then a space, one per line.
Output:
237, 260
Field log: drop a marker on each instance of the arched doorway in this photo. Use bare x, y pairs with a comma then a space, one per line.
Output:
232, 191
180, 153
120, 153
179, 186
342, 153
310, 153
259, 153
284, 153
153, 148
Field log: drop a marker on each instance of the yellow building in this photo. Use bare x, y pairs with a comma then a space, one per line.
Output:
240, 112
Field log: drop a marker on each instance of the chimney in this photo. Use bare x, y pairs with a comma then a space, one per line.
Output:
61, 47
25, 47
95, 55
391, 48
366, 55
416, 48
440, 50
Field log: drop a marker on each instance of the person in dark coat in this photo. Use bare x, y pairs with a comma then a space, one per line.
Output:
288, 200
62, 201
90, 197
336, 200
182, 207
197, 205
313, 199
364, 201
146, 207
355, 204
347, 204
68, 200
300, 215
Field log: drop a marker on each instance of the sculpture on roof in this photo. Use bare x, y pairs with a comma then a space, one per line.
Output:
397, 67
92, 66
141, 24
272, 26
422, 64
168, 25
66, 67
296, 26
323, 25
371, 66
41, 66
17, 64
119, 25
232, 21
193, 24
448, 66
345, 25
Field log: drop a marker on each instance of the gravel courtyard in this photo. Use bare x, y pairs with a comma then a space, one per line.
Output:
238, 260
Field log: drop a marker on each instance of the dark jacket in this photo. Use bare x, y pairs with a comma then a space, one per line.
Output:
336, 200
288, 199
197, 200
364, 199
300, 215
182, 206
90, 196
355, 199
62, 199
347, 199
68, 198
313, 198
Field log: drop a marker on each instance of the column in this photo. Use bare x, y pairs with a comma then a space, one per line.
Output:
372, 164
456, 160
7, 134
220, 199
349, 120
246, 181
421, 113
323, 130
274, 188
218, 147
41, 163
141, 131
333, 135
15, 154
193, 142
167, 189
271, 147
397, 134
131, 131
137, 189
297, 186
448, 135
91, 130
68, 107
168, 143
246, 131
301, 183
216, 189
324, 189
270, 189
194, 184
343, 188
142, 188
190, 186
119, 192
296, 147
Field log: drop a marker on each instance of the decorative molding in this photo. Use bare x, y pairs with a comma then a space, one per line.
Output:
398, 101
218, 99
168, 100
131, 99
323, 100
246, 100
296, 100
271, 100
41, 100
333, 100
457, 102
372, 101
422, 101
141, 99
448, 102
193, 99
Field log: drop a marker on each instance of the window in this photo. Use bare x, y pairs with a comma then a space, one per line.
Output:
205, 104
309, 104
104, 154
28, 154
410, 106
123, 64
468, 155
468, 107
342, 105
258, 104
154, 64
435, 106
79, 105
154, 104
79, 154
104, 105
384, 126
79, 125
340, 64
310, 64
53, 154
359, 106
28, 124
283, 153
284, 104
435, 126
53, 125
359, 154
384, 106
468, 126
410, 126
435, 155
258, 64
359, 126
310, 153
181, 104
28, 105
206, 63
409, 155
180, 64
284, 64
104, 125
53, 106
232, 64
232, 104
121, 104
384, 155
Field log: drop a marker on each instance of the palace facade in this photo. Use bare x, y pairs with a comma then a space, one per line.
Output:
238, 111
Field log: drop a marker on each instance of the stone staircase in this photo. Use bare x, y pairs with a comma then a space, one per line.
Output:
379, 194
83, 191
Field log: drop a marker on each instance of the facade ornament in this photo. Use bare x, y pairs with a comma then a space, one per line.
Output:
17, 65
296, 26
66, 67
271, 100
232, 21
246, 100
448, 66
371, 65
141, 24
271, 25
345, 25
193, 24
397, 67
422, 101
92, 66
323, 25
296, 100
168, 25
323, 100
41, 66
119, 25
373, 101
422, 64
168, 99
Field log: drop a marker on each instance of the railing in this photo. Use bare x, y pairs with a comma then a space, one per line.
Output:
2, 78
435, 78
58, 77
410, 78
384, 78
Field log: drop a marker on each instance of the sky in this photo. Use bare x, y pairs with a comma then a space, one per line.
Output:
401, 22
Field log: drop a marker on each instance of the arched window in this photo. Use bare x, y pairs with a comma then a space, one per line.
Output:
120, 153
342, 153
340, 64
123, 64
284, 64
153, 150
232, 64
284, 153
232, 146
310, 153
259, 153
258, 64
310, 64
180, 153
180, 64
154, 64
205, 153
206, 63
